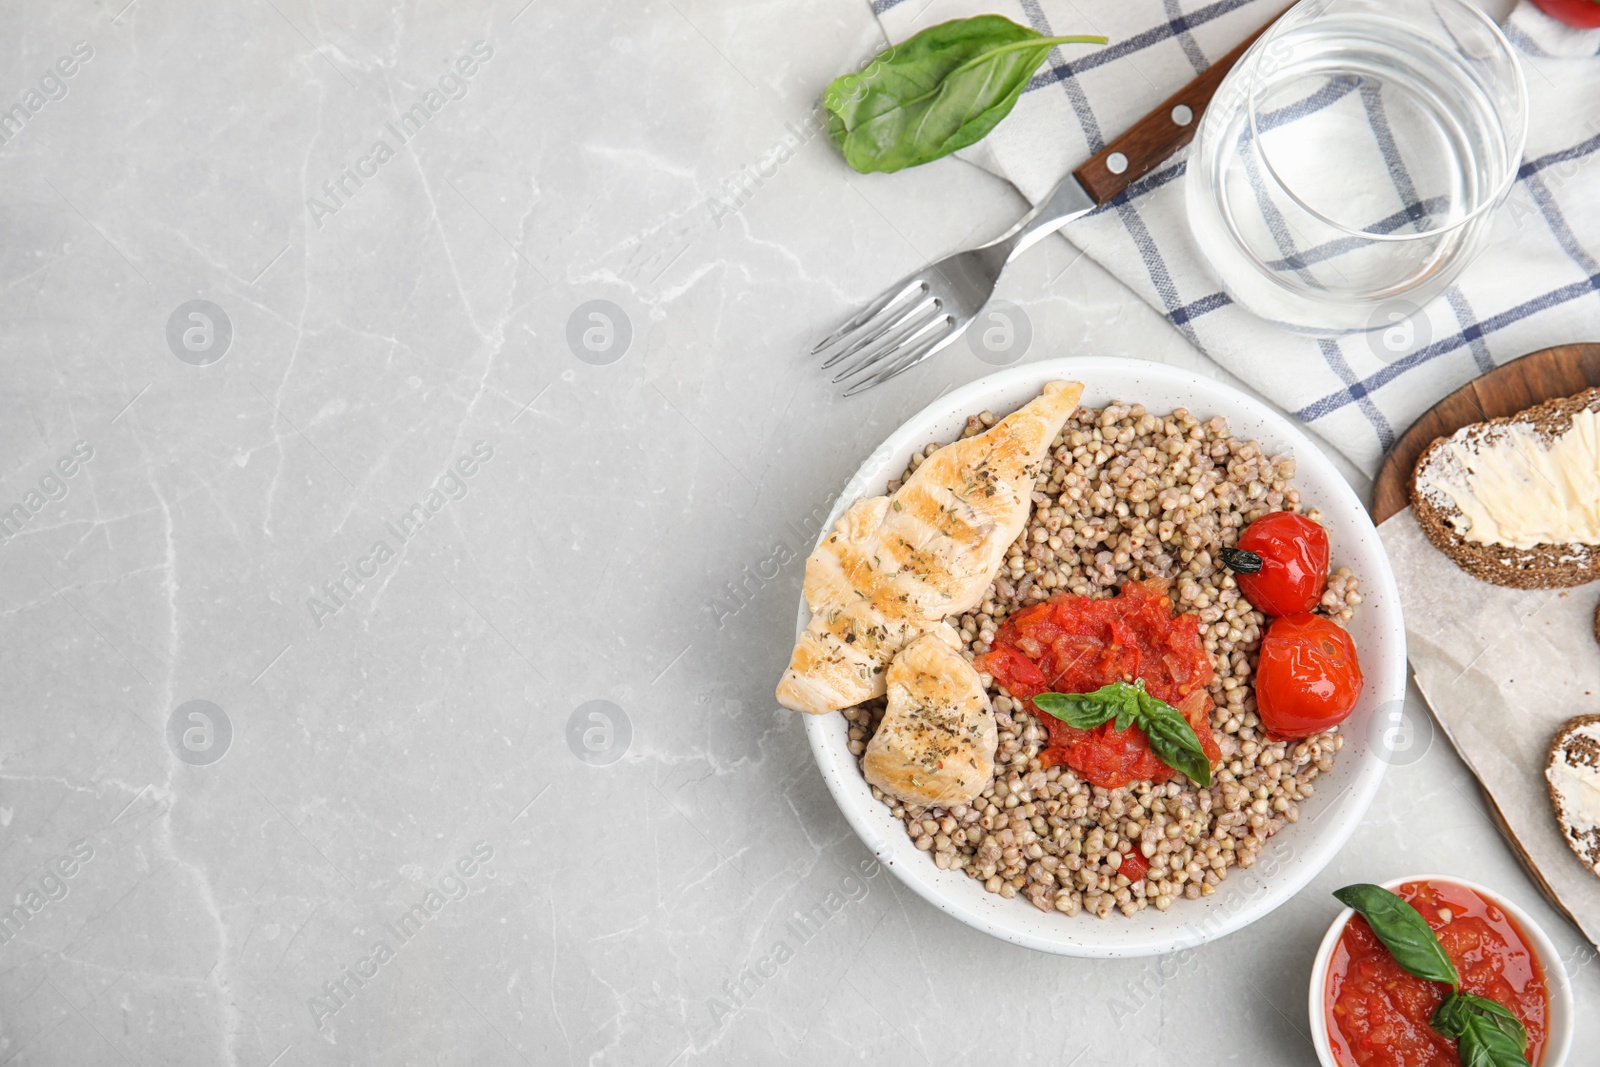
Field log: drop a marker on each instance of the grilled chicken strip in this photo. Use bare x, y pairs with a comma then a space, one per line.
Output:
894, 567
935, 746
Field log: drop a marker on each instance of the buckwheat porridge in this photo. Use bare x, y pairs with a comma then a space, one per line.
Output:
1128, 495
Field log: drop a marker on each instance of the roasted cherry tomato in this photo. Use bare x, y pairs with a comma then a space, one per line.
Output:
1584, 14
1308, 679
1292, 552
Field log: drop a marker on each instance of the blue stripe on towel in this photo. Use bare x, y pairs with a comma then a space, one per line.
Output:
1377, 380
1530, 171
1129, 45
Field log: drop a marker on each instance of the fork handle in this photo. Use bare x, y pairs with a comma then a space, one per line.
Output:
1151, 140
1140, 149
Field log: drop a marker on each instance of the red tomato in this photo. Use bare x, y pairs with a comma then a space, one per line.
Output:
1584, 14
1294, 563
1076, 644
1308, 679
1134, 865
1378, 1014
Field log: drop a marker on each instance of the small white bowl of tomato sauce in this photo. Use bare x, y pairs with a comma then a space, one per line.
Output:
1367, 1012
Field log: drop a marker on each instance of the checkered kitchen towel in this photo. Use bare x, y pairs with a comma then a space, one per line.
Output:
1537, 285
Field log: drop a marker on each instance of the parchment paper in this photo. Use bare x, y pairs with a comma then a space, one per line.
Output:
1502, 669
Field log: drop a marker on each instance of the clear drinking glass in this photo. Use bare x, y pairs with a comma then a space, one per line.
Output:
1355, 157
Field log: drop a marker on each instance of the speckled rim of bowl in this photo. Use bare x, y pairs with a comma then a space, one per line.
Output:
1558, 1044
1298, 852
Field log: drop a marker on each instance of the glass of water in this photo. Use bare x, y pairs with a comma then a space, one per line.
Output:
1353, 159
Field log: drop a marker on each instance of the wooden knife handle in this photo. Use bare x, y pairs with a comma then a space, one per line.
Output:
1148, 142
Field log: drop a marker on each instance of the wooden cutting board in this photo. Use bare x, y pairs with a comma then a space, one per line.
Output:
1506, 390
1539, 376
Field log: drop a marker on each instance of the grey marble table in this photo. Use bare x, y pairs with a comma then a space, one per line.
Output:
307, 417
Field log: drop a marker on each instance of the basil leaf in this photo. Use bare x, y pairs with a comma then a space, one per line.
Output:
1450, 1017
1152, 706
940, 90
1089, 710
1128, 706
1453, 1017
1174, 742
1407, 936
1083, 710
1171, 737
1485, 1044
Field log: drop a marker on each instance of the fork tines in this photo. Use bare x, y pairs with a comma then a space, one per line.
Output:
893, 334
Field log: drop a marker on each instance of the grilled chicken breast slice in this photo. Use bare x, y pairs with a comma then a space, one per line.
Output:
894, 566
935, 746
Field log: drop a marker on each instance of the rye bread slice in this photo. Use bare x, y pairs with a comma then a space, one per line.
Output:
1541, 567
1577, 744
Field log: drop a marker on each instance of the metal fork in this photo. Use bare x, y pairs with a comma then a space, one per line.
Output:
929, 310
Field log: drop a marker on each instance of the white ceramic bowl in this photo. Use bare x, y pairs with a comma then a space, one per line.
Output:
1558, 1043
1297, 853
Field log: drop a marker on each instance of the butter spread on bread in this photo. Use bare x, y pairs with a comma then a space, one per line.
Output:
1573, 773
1516, 487
1516, 500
